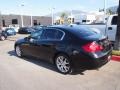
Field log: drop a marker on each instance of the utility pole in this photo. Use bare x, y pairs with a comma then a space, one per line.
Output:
117, 40
104, 10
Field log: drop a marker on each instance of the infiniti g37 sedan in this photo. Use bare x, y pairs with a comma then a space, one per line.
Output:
67, 47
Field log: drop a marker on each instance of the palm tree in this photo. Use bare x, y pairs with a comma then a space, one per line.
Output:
117, 42
64, 17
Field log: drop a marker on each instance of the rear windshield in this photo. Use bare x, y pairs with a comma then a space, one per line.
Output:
84, 31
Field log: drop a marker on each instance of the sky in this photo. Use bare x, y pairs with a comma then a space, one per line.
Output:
44, 7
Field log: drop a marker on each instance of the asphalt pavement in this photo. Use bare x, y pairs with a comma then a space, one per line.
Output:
33, 74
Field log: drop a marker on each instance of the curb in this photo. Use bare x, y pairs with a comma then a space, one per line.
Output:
116, 58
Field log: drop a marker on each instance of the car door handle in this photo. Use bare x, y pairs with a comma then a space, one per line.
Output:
109, 28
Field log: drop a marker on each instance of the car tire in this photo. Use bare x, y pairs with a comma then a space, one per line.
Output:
18, 51
2, 38
63, 64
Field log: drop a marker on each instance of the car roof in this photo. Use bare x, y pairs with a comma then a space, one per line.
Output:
78, 30
24, 27
70, 28
67, 27
10, 28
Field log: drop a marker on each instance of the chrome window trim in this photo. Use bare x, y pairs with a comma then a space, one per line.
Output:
63, 34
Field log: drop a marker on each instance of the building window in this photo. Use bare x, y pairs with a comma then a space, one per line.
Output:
14, 21
83, 21
35, 22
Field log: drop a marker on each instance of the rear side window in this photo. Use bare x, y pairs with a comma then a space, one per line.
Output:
52, 34
114, 20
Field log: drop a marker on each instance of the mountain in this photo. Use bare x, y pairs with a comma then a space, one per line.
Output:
74, 12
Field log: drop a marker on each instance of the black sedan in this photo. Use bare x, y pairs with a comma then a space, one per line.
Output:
68, 47
38, 27
25, 30
3, 35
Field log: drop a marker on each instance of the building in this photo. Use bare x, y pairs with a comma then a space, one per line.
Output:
6, 20
79, 18
82, 18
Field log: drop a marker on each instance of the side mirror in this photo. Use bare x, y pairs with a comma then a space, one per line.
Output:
27, 38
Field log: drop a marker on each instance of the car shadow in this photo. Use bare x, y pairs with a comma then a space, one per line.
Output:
45, 64
11, 39
12, 53
36, 61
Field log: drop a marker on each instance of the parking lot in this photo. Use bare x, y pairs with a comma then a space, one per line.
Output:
32, 74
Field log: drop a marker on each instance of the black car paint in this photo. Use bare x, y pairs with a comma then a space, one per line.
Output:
71, 45
48, 50
25, 30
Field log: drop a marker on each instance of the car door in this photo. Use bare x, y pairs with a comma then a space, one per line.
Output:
30, 47
48, 43
112, 28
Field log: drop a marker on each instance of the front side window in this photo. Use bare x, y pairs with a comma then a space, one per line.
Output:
52, 34
114, 20
36, 34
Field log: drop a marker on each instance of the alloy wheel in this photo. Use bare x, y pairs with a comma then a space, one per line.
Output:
63, 64
18, 51
2, 38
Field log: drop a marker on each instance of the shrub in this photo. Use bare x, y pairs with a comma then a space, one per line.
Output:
114, 52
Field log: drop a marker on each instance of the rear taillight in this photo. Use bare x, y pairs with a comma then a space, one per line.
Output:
92, 47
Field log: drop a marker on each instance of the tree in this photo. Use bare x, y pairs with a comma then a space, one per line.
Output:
117, 41
64, 17
109, 12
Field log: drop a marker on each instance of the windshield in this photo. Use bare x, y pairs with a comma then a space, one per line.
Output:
84, 31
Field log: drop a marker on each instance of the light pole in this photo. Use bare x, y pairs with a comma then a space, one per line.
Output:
71, 17
31, 20
104, 10
22, 23
52, 11
31, 16
0, 20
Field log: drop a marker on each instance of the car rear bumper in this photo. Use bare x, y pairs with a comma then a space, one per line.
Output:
98, 62
90, 62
